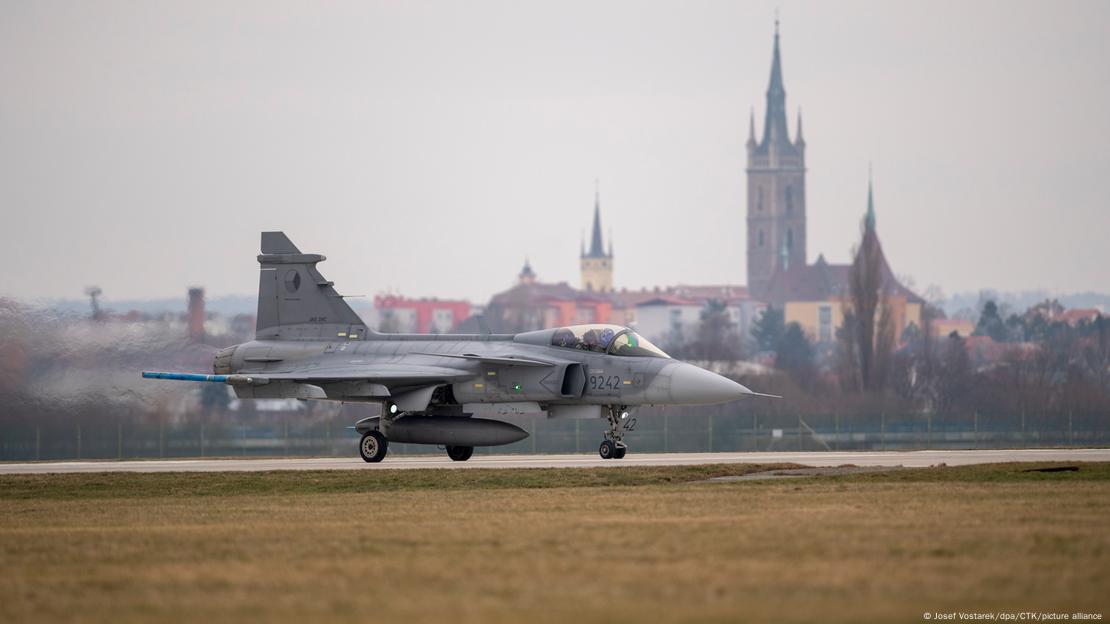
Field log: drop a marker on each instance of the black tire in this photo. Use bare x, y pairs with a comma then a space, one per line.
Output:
621, 450
460, 453
607, 450
373, 446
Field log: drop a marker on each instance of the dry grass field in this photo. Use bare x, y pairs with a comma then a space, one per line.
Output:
557, 545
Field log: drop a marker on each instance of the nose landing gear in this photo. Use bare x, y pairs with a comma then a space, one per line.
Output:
613, 447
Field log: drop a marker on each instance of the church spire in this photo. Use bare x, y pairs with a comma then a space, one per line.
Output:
869, 220
596, 265
597, 249
774, 124
799, 140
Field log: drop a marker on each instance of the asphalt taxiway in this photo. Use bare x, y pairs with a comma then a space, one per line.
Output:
860, 458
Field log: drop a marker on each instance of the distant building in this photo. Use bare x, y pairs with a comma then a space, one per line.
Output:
776, 188
1052, 311
816, 296
677, 311
532, 304
1075, 315
666, 316
741, 307
396, 314
597, 264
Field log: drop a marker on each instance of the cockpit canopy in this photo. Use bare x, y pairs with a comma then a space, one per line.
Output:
611, 339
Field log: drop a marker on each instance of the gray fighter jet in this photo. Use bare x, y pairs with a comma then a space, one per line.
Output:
309, 344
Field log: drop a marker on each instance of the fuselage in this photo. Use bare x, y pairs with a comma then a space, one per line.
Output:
482, 369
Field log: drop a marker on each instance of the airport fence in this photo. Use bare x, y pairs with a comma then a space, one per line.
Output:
652, 430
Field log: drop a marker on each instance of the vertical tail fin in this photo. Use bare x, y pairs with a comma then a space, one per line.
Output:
295, 302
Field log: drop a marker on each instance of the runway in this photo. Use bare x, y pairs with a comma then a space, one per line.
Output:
874, 458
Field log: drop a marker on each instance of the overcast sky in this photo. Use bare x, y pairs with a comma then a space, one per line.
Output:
429, 148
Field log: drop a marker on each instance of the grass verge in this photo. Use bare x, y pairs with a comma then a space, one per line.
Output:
85, 486
553, 545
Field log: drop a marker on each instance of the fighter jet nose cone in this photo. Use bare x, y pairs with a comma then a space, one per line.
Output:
696, 386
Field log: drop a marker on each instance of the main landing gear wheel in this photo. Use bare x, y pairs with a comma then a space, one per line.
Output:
621, 450
460, 453
373, 446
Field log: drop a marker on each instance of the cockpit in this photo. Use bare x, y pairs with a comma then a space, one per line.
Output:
610, 339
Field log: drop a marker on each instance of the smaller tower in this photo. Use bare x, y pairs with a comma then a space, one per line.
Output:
596, 264
527, 275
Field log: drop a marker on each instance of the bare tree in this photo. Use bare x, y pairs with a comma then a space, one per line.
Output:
871, 336
926, 357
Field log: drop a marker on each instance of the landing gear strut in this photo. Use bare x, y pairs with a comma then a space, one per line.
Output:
613, 447
460, 453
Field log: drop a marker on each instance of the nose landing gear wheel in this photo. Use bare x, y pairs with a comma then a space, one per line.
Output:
373, 446
621, 450
460, 453
607, 450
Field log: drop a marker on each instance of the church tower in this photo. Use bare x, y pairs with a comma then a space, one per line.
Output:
776, 188
597, 265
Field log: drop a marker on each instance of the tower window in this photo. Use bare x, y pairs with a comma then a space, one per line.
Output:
789, 238
761, 238
789, 199
759, 200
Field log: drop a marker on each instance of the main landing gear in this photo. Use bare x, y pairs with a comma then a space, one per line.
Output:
373, 446
613, 447
374, 443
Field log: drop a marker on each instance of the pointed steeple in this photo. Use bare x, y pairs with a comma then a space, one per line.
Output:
597, 249
774, 124
800, 141
869, 219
